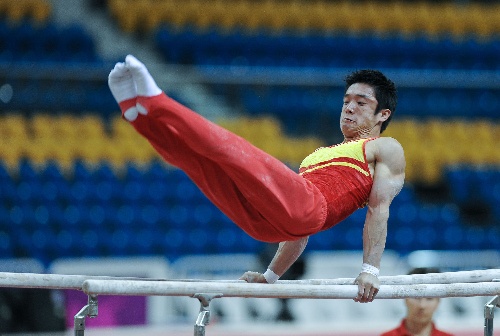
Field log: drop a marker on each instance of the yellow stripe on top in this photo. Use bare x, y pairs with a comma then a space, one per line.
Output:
345, 154
347, 164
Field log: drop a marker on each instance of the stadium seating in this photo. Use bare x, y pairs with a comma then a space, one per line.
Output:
76, 180
37, 11
324, 49
48, 212
408, 18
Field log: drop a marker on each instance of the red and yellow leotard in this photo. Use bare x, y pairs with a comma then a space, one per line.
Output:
263, 196
342, 174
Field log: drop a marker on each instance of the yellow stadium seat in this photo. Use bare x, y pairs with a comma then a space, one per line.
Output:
41, 11
399, 16
12, 127
16, 11
12, 151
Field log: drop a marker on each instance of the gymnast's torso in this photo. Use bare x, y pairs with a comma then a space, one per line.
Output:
343, 175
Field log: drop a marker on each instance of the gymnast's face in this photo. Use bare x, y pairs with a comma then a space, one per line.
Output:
358, 118
421, 310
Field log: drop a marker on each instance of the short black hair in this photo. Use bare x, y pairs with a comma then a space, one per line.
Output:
385, 90
424, 270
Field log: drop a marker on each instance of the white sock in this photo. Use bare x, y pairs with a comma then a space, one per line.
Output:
132, 113
121, 83
144, 82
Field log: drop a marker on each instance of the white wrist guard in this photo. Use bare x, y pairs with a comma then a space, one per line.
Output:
270, 276
367, 268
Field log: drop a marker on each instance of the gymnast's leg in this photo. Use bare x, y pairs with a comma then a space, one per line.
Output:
261, 194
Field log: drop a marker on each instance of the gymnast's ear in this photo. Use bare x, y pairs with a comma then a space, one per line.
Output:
384, 114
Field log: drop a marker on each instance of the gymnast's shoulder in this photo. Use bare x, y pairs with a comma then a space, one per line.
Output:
385, 147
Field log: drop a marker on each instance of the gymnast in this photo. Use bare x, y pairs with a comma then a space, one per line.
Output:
263, 196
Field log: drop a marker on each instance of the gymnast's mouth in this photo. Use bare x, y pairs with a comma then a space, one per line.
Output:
348, 120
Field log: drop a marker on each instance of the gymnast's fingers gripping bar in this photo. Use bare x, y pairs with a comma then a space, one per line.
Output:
298, 291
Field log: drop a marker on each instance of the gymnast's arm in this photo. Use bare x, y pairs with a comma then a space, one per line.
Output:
288, 252
388, 180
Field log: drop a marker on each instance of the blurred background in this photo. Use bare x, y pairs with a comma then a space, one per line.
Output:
82, 193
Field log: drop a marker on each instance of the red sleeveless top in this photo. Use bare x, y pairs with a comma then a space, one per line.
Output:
342, 175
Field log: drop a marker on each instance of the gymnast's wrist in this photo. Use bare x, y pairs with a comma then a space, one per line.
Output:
367, 268
270, 276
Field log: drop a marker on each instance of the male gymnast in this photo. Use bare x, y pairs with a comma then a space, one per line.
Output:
262, 195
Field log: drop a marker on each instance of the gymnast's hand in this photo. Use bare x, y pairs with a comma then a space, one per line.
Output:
368, 286
253, 277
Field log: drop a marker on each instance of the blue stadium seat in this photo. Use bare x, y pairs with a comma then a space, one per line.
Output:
187, 192
449, 215
127, 215
80, 191
6, 244
426, 238
104, 172
159, 193
332, 239
77, 45
74, 215
156, 172
428, 215
97, 215
145, 242
120, 242
47, 43
179, 216
133, 191
174, 242
404, 239
203, 215
353, 237
198, 239
65, 242
105, 192
458, 181
91, 242
405, 214
4, 216
4, 173
475, 238
227, 238
8, 192
452, 238
150, 217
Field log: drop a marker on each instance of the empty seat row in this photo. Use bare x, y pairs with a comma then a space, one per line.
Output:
38, 11
480, 185
26, 42
398, 16
214, 47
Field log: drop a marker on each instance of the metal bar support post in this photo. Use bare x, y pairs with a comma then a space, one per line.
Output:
204, 314
89, 310
489, 313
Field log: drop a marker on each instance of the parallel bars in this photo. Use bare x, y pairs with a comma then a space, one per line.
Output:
446, 284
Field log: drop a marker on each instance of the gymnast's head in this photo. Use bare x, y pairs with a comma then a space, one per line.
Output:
384, 90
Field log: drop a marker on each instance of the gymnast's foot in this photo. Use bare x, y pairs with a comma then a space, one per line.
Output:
122, 88
121, 83
144, 82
